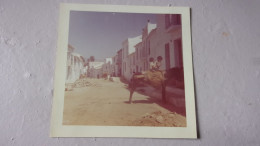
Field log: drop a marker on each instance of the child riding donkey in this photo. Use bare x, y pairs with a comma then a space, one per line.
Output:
154, 77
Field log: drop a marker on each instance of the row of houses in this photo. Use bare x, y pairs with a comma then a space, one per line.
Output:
76, 67
161, 39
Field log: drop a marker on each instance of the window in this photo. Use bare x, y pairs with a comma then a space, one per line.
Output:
178, 52
133, 60
136, 53
140, 53
149, 51
125, 67
176, 19
167, 56
172, 19
167, 20
143, 52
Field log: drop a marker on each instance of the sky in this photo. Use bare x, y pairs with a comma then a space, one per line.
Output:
100, 34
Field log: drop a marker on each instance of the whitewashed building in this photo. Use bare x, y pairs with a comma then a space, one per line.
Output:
95, 69
75, 65
163, 39
107, 66
143, 49
85, 70
166, 41
114, 66
128, 48
132, 62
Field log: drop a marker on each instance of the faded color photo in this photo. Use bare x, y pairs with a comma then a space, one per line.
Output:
124, 69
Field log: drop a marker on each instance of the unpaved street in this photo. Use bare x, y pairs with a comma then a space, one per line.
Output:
102, 102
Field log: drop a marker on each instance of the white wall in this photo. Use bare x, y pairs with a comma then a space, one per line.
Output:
129, 48
75, 69
226, 55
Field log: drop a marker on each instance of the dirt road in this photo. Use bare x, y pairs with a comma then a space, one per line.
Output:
102, 102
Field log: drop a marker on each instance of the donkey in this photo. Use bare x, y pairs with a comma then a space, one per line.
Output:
153, 78
158, 79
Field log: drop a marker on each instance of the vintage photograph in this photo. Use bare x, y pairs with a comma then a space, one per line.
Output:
125, 69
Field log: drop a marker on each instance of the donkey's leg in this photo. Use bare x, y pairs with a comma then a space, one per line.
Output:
163, 92
131, 95
132, 89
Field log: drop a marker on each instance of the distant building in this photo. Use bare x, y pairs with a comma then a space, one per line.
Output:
95, 69
85, 69
107, 66
119, 60
115, 66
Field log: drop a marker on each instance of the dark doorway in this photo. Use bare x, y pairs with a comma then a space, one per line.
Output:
178, 53
167, 56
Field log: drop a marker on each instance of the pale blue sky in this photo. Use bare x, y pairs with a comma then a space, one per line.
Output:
101, 34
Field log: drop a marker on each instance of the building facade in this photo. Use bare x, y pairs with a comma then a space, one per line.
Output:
75, 65
95, 69
107, 67
119, 63
162, 39
167, 41
128, 47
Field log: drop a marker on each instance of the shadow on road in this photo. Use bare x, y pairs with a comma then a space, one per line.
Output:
157, 100
152, 99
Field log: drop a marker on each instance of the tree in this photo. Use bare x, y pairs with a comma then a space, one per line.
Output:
91, 59
82, 58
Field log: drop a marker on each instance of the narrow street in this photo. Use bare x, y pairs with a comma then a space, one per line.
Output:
103, 102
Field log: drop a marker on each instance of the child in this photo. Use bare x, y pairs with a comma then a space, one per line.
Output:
158, 63
152, 64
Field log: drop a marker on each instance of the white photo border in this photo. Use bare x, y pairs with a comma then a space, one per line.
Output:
60, 130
